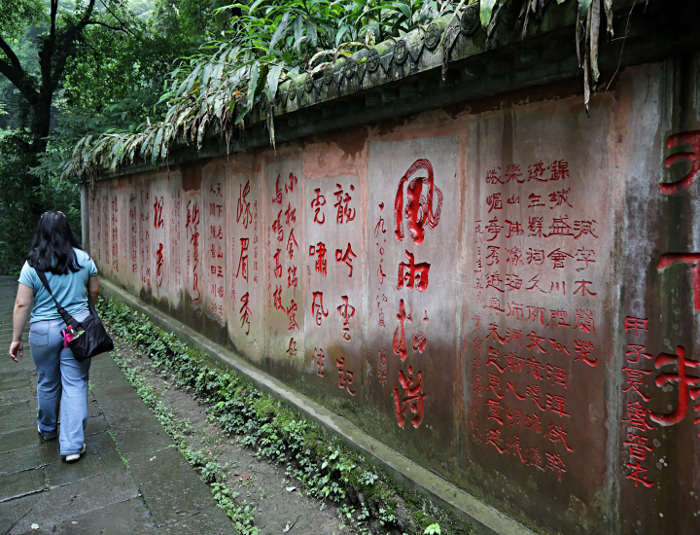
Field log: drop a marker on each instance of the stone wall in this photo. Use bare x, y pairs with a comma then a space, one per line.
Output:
500, 290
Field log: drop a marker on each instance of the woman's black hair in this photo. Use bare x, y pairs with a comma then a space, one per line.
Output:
53, 245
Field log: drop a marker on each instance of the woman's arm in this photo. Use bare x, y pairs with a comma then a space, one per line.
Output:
19, 319
93, 289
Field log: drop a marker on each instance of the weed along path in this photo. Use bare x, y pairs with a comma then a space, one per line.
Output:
268, 468
257, 494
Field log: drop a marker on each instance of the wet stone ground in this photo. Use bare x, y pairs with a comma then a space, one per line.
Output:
132, 480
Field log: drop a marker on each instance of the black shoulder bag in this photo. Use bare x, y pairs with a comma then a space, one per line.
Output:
86, 338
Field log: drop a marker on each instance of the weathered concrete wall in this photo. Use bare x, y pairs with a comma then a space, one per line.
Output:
501, 291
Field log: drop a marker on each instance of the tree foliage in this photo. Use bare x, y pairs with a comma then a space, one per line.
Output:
272, 40
70, 69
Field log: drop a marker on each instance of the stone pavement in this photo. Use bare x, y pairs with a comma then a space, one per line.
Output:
131, 480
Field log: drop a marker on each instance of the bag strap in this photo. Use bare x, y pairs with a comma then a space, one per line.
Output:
67, 318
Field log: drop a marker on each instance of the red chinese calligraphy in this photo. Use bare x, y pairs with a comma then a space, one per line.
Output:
243, 215
158, 212
346, 257
691, 138
688, 387
344, 214
316, 205
412, 400
413, 276
399, 343
345, 377
243, 259
419, 210
319, 358
321, 263
346, 311
245, 312
317, 309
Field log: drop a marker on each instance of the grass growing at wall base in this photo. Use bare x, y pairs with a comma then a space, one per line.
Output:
365, 494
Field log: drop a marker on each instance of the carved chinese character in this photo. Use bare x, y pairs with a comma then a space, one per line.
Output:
243, 214
419, 210
321, 263
494, 410
158, 213
638, 324
346, 311
691, 138
291, 243
399, 343
318, 358
688, 387
290, 214
412, 400
345, 377
559, 169
536, 172
584, 256
317, 309
534, 226
243, 260
635, 378
316, 205
347, 258
245, 313
558, 257
292, 349
292, 316
413, 276
636, 474
278, 192
494, 202
344, 214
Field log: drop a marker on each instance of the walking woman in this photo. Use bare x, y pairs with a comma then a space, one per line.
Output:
62, 381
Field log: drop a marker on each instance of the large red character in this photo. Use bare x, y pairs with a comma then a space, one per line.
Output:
413, 401
419, 208
685, 393
691, 138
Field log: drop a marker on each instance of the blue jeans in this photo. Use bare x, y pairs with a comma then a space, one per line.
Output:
62, 382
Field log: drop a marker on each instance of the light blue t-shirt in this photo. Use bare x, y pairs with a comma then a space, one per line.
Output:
71, 290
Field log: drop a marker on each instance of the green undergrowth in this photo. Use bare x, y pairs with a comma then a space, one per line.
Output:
367, 496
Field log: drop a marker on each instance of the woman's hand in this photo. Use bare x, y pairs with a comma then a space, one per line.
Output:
16, 350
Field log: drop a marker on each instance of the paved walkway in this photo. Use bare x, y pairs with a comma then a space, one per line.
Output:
131, 480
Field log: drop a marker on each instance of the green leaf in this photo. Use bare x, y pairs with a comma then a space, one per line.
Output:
486, 10
312, 31
252, 85
273, 78
298, 31
405, 10
280, 32
583, 6
255, 6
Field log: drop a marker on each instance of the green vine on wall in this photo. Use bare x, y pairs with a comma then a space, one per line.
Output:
276, 40
325, 467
